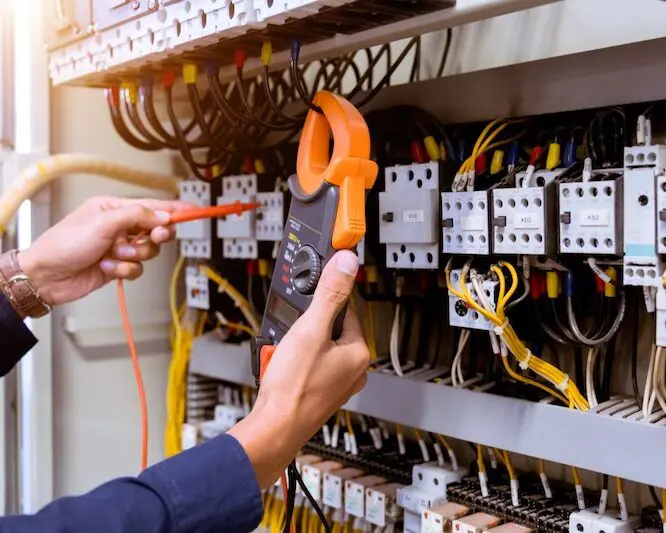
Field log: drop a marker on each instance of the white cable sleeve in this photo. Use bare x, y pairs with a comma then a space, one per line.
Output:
43, 172
394, 343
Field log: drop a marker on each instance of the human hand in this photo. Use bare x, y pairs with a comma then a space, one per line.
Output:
91, 246
309, 377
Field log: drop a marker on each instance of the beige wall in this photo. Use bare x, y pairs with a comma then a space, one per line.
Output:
96, 409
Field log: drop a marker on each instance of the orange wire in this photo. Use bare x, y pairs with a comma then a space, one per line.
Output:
177, 217
137, 374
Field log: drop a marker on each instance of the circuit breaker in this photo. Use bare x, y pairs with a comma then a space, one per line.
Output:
591, 217
196, 287
465, 223
239, 231
644, 169
524, 218
409, 215
460, 314
195, 236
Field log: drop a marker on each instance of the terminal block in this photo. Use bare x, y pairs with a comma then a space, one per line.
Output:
428, 489
643, 170
196, 286
381, 508
409, 215
195, 236
460, 315
465, 223
591, 218
269, 218
524, 218
238, 231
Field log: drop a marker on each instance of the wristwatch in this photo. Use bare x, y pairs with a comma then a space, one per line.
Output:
19, 288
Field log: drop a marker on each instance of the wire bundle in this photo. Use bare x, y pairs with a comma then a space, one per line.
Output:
566, 391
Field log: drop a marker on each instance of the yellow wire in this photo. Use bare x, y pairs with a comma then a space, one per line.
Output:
348, 423
618, 485
576, 476
509, 467
515, 345
234, 294
663, 504
542, 466
479, 458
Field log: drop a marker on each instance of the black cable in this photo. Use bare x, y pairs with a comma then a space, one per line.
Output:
298, 82
313, 502
290, 497
243, 98
147, 99
388, 75
133, 114
265, 76
445, 55
118, 122
655, 497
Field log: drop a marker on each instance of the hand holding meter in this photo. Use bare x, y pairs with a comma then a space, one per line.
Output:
327, 214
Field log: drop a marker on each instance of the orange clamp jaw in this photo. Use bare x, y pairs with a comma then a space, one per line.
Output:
349, 166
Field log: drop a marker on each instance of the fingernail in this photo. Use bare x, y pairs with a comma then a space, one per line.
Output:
107, 265
125, 251
347, 262
163, 216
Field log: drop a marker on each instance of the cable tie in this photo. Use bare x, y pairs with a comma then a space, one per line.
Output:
564, 383
524, 365
499, 330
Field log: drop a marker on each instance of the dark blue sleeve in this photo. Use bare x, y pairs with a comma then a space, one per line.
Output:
209, 488
15, 338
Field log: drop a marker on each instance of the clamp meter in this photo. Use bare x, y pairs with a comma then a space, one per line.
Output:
327, 214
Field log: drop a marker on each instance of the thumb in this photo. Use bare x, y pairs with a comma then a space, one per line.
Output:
132, 216
333, 290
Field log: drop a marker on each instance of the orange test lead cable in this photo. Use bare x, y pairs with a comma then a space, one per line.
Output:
187, 215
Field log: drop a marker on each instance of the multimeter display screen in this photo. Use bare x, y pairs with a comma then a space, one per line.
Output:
281, 310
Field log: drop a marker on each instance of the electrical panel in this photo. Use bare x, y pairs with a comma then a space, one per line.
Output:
465, 223
643, 166
196, 287
460, 314
239, 231
409, 215
195, 236
591, 217
523, 218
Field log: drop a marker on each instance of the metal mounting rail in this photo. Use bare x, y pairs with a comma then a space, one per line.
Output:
590, 441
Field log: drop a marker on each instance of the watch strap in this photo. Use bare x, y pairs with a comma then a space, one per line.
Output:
19, 288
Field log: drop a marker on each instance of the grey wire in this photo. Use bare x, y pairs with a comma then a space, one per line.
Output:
564, 329
526, 291
597, 340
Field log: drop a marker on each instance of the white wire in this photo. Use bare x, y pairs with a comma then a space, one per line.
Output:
457, 376
592, 354
647, 393
658, 383
394, 342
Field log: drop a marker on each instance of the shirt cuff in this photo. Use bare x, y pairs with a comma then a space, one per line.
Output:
211, 487
17, 339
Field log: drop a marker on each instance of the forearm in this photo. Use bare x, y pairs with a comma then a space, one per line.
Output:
210, 488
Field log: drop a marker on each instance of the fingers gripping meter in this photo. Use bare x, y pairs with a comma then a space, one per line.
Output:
327, 214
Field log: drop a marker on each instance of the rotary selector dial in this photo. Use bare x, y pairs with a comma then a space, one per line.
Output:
305, 269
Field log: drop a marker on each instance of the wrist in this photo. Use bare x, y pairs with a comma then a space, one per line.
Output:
36, 273
19, 288
270, 438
